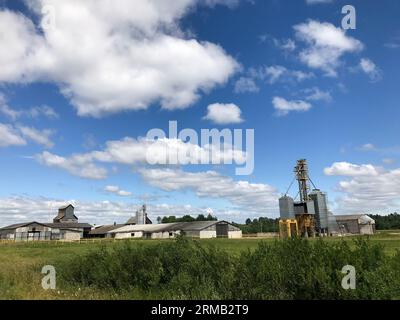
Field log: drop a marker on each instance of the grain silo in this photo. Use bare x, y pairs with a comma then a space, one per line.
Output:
141, 215
286, 208
321, 210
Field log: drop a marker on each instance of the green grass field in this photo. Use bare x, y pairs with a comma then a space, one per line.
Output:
21, 263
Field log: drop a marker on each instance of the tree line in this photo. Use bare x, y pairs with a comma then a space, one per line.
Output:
389, 222
186, 218
260, 225
250, 227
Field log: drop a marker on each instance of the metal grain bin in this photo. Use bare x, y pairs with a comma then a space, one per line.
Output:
321, 208
286, 208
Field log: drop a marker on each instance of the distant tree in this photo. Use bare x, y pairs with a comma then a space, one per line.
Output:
158, 220
169, 219
187, 218
388, 222
164, 220
259, 225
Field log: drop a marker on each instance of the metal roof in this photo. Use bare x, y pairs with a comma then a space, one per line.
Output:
166, 227
104, 229
198, 225
68, 225
131, 220
362, 218
60, 225
19, 225
146, 228
66, 206
349, 217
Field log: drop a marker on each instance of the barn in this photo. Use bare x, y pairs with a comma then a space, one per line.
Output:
196, 229
104, 230
356, 224
65, 226
36, 231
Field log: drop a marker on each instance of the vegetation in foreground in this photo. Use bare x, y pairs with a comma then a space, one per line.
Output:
186, 269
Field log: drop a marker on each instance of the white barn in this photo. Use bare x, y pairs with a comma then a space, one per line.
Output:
196, 229
356, 224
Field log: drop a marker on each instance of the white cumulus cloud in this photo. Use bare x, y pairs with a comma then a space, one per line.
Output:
13, 210
368, 188
325, 45
33, 112
76, 166
18, 135
116, 190
220, 113
316, 94
109, 56
242, 194
371, 70
10, 136
284, 107
39, 136
246, 84
130, 151
351, 170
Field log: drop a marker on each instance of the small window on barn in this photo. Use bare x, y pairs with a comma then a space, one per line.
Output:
171, 234
132, 234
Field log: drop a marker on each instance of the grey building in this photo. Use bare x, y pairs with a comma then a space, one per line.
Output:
26, 231
321, 209
196, 229
140, 218
286, 208
102, 231
66, 214
355, 224
65, 226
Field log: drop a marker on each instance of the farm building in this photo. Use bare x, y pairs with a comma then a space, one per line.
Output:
196, 229
102, 231
139, 218
65, 226
44, 231
66, 214
356, 224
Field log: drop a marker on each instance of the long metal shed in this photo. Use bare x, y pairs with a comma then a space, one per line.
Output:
196, 229
356, 224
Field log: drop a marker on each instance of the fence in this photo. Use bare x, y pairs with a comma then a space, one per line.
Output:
57, 242
266, 235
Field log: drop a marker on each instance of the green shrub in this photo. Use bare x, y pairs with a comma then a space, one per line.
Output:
186, 269
303, 270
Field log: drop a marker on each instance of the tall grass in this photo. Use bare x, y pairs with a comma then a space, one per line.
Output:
183, 269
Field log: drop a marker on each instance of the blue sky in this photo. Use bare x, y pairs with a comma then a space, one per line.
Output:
76, 98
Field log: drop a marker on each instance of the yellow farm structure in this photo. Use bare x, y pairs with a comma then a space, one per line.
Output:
288, 228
